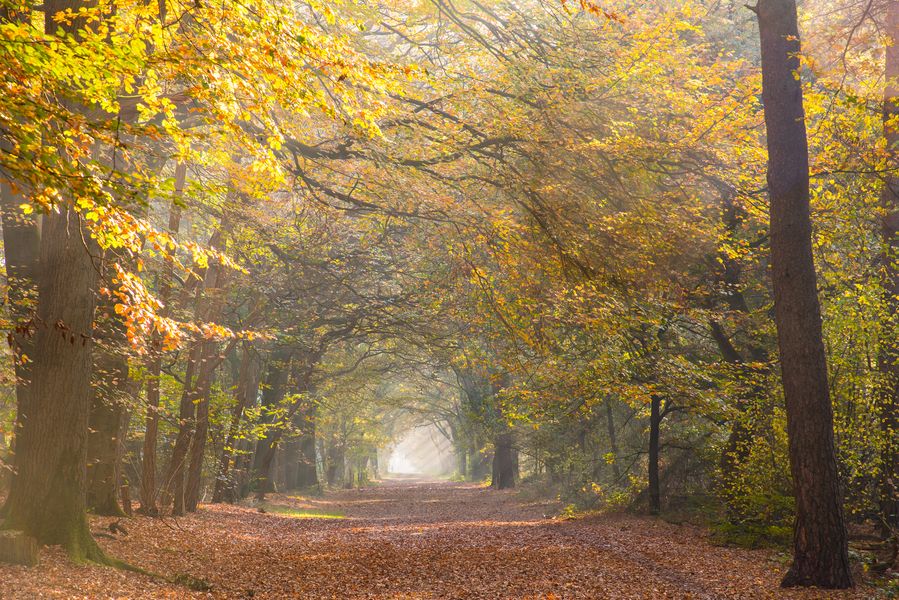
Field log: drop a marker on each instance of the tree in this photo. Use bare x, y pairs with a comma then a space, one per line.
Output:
819, 541
889, 351
48, 499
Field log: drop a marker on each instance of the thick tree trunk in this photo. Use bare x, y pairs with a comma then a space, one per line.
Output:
154, 367
335, 464
889, 344
655, 423
820, 556
503, 475
48, 500
504, 463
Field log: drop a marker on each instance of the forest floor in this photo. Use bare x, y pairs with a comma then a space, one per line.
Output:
405, 539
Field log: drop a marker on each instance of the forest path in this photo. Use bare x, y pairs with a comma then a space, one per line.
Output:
410, 539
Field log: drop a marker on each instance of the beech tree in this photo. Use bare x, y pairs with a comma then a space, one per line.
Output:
819, 540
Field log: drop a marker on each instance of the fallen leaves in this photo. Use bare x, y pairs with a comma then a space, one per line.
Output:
409, 540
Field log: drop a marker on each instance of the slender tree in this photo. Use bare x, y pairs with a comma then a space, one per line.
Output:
820, 556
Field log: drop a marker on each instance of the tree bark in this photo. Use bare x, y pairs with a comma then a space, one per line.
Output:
21, 253
207, 366
148, 455
106, 429
174, 478
503, 462
655, 423
290, 456
273, 392
889, 344
307, 471
820, 556
48, 500
247, 388
613, 439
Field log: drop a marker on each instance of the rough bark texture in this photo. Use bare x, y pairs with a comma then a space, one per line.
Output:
819, 550
48, 500
889, 347
154, 367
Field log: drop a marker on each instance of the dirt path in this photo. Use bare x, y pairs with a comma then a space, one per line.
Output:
413, 540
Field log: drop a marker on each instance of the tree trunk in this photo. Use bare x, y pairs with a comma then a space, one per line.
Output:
273, 392
48, 500
655, 422
291, 462
21, 253
148, 456
889, 338
307, 471
820, 556
245, 395
201, 428
107, 425
462, 457
174, 478
209, 310
613, 439
106, 432
21, 250
503, 476
504, 463
192, 414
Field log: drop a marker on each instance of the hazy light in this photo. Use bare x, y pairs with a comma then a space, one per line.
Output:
421, 451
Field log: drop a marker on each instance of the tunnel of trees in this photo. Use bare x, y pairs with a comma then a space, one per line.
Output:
641, 254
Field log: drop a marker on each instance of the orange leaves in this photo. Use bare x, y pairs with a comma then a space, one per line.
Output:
595, 9
413, 540
141, 314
